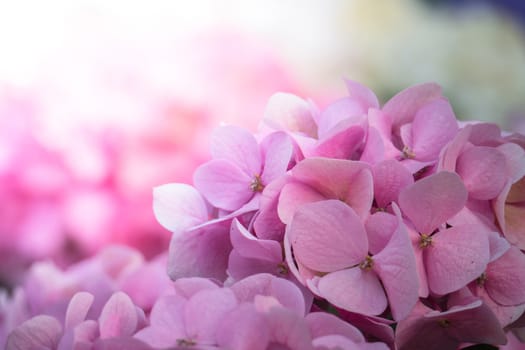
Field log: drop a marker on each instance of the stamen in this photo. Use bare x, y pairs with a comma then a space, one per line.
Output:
481, 279
408, 153
367, 264
425, 241
282, 269
186, 342
256, 185
444, 323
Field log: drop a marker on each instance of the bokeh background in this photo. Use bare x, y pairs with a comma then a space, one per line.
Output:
100, 101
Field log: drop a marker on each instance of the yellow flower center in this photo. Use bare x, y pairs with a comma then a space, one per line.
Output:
256, 185
425, 241
444, 323
367, 264
408, 153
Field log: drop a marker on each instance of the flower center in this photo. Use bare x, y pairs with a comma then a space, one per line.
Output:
444, 323
425, 241
256, 184
408, 153
367, 264
282, 268
481, 279
186, 342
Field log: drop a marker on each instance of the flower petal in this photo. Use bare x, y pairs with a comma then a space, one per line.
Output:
289, 112
248, 246
277, 149
396, 267
346, 180
205, 311
178, 206
506, 278
433, 127
362, 94
40, 333
403, 106
457, 256
238, 146
431, 201
390, 177
481, 170
78, 308
200, 253
118, 317
223, 184
244, 328
327, 236
354, 290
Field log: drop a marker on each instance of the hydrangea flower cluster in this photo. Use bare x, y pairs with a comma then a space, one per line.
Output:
352, 227
398, 219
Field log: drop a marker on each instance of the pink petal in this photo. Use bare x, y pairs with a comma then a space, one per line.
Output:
453, 149
288, 329
340, 110
186, 287
346, 180
362, 94
118, 317
284, 291
403, 106
78, 308
515, 160
390, 177
202, 252
341, 142
335, 341
420, 262
472, 323
480, 168
374, 149
267, 224
41, 332
433, 127
328, 236
249, 246
431, 201
457, 256
277, 149
238, 146
506, 278
178, 206
293, 195
240, 267
288, 112
167, 322
223, 184
205, 311
354, 290
498, 245
244, 328
379, 227
80, 337
418, 332
396, 267
484, 133
123, 343
323, 323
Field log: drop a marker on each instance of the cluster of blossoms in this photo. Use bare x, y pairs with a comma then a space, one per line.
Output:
355, 227
399, 219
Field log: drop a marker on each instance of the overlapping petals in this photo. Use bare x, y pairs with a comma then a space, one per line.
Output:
390, 224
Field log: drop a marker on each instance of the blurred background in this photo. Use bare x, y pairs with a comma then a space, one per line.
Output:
102, 100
